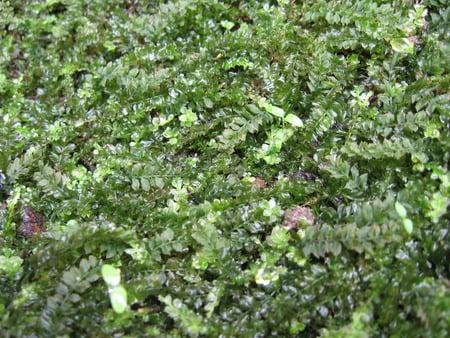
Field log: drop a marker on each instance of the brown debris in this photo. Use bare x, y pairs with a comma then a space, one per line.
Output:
415, 40
295, 217
259, 182
33, 223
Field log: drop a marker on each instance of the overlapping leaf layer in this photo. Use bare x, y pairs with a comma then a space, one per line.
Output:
168, 138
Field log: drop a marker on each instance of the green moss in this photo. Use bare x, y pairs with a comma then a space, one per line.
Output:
167, 138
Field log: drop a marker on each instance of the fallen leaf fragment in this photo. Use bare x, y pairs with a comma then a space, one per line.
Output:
259, 182
295, 217
33, 223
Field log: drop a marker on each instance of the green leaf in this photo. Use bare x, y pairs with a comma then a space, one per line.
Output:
200, 262
135, 183
111, 275
192, 322
279, 238
294, 120
277, 111
402, 45
227, 24
10, 265
188, 117
296, 327
69, 277
401, 211
334, 247
408, 225
438, 206
167, 235
145, 184
118, 298
208, 103
268, 274
213, 299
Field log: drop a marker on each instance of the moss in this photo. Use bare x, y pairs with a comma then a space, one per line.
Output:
169, 138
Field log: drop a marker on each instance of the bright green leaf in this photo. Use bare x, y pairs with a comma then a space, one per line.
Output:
227, 24
188, 117
279, 238
402, 45
296, 327
438, 206
400, 209
111, 275
294, 120
118, 297
266, 275
277, 111
408, 225
10, 265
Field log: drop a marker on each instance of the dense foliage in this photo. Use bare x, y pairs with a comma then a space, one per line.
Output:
164, 140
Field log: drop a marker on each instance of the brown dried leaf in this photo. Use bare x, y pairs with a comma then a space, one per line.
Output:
259, 182
295, 217
33, 223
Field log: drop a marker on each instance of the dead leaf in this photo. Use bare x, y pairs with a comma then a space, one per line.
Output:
259, 182
295, 217
33, 223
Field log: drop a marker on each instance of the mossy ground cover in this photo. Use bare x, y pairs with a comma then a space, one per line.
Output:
172, 145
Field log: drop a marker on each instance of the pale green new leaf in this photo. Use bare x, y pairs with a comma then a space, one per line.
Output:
277, 111
402, 45
294, 120
111, 275
408, 225
400, 210
118, 297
